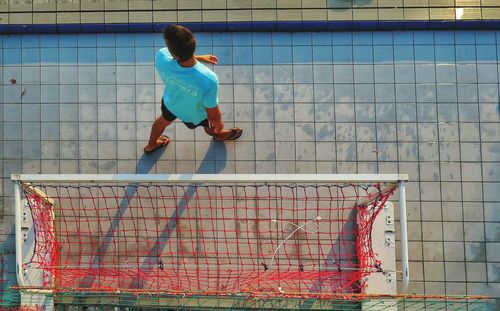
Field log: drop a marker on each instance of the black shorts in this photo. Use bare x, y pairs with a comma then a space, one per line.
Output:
169, 116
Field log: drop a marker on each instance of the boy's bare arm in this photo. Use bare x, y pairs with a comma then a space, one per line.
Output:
215, 119
209, 59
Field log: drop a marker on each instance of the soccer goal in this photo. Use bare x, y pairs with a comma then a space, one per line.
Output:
208, 240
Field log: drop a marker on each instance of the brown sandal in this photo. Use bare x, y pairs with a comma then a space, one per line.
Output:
235, 134
164, 143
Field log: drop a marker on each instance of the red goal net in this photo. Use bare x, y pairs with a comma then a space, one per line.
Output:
263, 239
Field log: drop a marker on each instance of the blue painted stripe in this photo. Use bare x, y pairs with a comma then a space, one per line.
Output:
253, 26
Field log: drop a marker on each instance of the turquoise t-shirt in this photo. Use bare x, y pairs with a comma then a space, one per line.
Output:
188, 90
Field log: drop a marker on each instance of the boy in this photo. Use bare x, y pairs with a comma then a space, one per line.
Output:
190, 90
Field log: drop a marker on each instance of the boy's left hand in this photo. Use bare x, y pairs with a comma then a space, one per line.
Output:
209, 59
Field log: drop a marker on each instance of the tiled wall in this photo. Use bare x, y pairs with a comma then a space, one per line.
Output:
143, 11
424, 103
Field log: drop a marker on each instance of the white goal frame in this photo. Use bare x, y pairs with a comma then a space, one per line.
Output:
20, 179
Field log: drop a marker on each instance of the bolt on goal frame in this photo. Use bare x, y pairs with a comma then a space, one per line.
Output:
292, 236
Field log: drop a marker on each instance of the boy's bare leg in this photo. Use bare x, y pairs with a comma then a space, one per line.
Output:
157, 129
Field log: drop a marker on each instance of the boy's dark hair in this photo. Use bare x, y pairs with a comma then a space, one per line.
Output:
180, 41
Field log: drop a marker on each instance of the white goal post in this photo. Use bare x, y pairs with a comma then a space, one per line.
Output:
22, 180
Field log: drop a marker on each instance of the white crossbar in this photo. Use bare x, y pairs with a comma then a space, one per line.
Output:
209, 178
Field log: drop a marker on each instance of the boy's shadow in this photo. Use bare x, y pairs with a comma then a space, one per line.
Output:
213, 162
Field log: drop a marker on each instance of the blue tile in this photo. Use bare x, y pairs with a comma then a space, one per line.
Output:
87, 40
344, 93
362, 38
68, 55
363, 73
301, 38
68, 75
12, 41
282, 54
283, 93
323, 93
49, 55
425, 73
342, 53
321, 38
364, 93
87, 55
342, 38
202, 39
30, 56
159, 41
281, 38
363, 54
68, 40
302, 54
403, 37
322, 53
222, 39
125, 55
467, 72
144, 39
262, 55
384, 73
261, 38
485, 37
404, 73
403, 53
448, 92
385, 93
105, 55
424, 53
49, 41
144, 54
464, 37
302, 73
444, 37
383, 53
423, 37
68, 94
426, 93
465, 53
343, 74
405, 93
50, 93
242, 55
445, 53
202, 50
486, 53
224, 53
446, 73
242, 38
87, 75
30, 41
382, 37
11, 57
282, 73
106, 40
124, 39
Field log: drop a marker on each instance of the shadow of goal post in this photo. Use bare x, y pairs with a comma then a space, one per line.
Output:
29, 278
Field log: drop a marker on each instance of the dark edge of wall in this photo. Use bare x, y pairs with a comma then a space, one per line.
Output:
252, 26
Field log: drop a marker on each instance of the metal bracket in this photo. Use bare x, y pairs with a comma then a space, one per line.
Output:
389, 277
389, 217
390, 238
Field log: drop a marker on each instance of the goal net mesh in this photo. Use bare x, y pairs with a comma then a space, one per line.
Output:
272, 240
